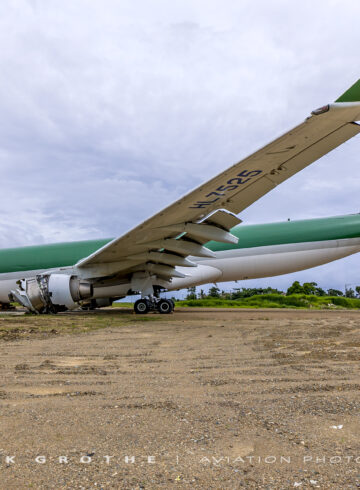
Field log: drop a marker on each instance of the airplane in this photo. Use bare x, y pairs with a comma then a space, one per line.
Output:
198, 239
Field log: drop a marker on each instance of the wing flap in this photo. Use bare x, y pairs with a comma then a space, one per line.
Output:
223, 219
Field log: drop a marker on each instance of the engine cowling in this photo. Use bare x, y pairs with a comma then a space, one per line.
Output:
92, 304
51, 293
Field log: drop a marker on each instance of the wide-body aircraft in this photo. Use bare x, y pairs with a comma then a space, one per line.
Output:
197, 239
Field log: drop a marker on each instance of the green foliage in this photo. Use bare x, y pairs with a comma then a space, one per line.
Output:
340, 301
295, 288
276, 301
202, 294
334, 292
191, 293
350, 293
214, 292
319, 291
248, 292
308, 288
306, 295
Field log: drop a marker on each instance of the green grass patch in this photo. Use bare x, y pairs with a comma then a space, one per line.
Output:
276, 301
122, 305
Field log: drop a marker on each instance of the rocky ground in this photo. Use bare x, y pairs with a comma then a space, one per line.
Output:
209, 399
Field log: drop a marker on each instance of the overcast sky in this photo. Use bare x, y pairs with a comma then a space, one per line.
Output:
111, 110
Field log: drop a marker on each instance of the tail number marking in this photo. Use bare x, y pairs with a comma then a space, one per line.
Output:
230, 186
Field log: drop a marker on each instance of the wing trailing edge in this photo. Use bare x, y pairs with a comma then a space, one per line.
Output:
208, 212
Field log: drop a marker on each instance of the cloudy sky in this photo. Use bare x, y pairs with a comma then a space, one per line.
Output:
111, 110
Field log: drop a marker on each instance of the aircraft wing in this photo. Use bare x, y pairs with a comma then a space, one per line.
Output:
163, 241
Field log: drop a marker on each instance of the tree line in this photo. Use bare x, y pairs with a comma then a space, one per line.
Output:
307, 288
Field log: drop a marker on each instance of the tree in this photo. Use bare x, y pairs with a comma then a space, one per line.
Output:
295, 288
225, 295
320, 291
357, 289
214, 292
191, 293
248, 292
350, 293
270, 290
334, 292
308, 288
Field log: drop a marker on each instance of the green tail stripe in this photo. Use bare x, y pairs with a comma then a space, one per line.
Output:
352, 94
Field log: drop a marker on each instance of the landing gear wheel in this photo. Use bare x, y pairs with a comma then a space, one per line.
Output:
165, 307
141, 306
173, 304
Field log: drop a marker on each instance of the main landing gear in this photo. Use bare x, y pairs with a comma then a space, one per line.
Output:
163, 306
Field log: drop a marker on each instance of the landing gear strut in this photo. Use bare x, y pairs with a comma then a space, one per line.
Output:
144, 305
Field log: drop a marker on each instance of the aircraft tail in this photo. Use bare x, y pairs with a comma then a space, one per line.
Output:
352, 94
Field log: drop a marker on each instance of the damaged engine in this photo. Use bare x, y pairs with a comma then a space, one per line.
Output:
51, 293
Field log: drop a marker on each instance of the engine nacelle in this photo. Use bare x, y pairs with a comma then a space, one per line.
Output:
92, 304
50, 293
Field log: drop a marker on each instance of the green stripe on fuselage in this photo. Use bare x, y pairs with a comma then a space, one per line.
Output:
250, 236
309, 230
47, 256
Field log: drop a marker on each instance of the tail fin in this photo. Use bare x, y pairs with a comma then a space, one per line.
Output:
352, 94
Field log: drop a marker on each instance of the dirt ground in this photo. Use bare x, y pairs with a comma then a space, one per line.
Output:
207, 399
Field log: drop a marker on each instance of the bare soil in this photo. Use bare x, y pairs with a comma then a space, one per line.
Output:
207, 399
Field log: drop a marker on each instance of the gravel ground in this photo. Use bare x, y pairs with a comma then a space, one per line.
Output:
207, 399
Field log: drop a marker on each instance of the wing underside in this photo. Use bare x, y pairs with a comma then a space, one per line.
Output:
167, 239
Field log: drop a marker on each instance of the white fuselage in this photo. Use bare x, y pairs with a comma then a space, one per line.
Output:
229, 265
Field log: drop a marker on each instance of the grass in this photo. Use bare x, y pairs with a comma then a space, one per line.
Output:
276, 301
122, 305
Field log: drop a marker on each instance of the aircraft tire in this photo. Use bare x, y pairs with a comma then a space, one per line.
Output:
165, 307
141, 307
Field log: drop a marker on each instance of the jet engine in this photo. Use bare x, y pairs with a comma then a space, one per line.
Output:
92, 304
51, 293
